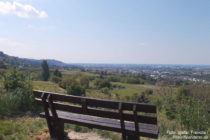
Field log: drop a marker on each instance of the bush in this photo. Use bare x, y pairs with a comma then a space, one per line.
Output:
132, 80
57, 73
101, 83
114, 78
84, 82
55, 79
106, 91
134, 97
148, 91
171, 110
142, 98
13, 103
13, 80
16, 96
76, 90
66, 82
192, 114
183, 91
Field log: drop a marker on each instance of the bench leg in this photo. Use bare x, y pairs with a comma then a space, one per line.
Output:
56, 130
51, 128
124, 136
132, 137
60, 131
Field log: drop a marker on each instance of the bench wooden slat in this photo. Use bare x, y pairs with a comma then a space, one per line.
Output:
102, 113
147, 108
105, 120
146, 130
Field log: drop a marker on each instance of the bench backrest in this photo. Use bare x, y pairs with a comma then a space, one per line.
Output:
125, 111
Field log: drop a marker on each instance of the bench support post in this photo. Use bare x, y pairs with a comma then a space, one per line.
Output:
132, 137
60, 131
58, 126
56, 130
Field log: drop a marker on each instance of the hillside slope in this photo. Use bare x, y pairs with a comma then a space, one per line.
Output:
25, 62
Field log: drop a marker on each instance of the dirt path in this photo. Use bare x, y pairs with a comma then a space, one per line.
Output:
72, 135
85, 136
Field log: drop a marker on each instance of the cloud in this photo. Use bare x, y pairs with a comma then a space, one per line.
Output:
21, 10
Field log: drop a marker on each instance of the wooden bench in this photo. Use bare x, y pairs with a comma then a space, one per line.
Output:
123, 117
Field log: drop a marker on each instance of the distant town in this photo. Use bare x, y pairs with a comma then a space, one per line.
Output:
194, 73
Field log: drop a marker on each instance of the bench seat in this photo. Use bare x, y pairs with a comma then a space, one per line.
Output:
147, 130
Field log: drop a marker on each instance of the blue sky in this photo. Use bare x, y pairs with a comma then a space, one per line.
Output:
107, 31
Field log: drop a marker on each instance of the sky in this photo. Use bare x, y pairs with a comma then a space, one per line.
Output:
107, 31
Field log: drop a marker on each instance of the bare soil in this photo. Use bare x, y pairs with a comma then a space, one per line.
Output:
72, 135
85, 136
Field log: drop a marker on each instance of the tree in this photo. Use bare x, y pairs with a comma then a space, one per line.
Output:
13, 80
56, 77
142, 98
16, 96
84, 82
67, 82
100, 83
45, 71
57, 73
76, 90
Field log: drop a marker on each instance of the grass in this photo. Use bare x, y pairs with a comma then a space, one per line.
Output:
21, 128
128, 90
76, 73
1, 83
149, 86
96, 94
47, 86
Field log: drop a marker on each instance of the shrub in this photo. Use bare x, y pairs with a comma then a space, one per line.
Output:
106, 91
84, 82
134, 97
183, 91
55, 79
142, 98
76, 90
192, 114
171, 110
101, 83
148, 91
132, 80
13, 79
66, 82
16, 96
57, 73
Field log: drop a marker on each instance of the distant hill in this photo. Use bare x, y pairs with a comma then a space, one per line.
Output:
25, 62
